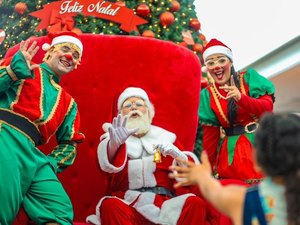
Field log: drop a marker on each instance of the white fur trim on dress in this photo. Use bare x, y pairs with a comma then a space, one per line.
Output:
103, 158
171, 209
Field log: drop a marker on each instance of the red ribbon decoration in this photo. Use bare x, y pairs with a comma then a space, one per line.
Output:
53, 20
59, 22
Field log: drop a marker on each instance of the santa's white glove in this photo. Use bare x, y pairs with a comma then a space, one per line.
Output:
118, 133
171, 150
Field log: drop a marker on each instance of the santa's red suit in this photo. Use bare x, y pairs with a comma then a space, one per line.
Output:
135, 181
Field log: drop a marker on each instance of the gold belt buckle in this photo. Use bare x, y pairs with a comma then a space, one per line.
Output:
249, 124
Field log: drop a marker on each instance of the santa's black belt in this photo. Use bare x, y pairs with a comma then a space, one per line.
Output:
157, 190
22, 124
249, 128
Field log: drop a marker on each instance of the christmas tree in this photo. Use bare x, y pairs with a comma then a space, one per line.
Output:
169, 20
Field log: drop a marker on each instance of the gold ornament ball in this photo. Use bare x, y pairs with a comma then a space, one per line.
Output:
21, 8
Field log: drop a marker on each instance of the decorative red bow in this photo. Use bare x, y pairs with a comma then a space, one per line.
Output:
59, 22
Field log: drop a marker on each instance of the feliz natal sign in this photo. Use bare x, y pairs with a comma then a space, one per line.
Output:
58, 16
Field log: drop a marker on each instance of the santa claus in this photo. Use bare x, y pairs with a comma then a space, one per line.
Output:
140, 191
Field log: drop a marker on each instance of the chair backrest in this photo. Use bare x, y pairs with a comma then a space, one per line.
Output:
169, 73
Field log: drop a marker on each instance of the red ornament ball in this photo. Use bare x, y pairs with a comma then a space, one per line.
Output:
143, 10
166, 19
21, 8
202, 37
197, 47
195, 24
175, 6
148, 33
183, 43
76, 30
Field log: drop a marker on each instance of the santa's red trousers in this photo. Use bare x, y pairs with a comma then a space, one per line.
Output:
116, 212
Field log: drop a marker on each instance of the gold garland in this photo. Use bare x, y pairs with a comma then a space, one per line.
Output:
219, 95
215, 96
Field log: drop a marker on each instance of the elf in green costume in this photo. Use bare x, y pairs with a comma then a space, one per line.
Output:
231, 106
33, 108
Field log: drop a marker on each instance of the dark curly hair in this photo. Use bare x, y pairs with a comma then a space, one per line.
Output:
277, 146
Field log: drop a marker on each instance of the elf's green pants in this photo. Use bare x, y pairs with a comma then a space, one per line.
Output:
26, 177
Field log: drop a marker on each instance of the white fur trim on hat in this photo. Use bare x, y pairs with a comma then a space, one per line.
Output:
132, 92
217, 50
46, 46
67, 38
63, 39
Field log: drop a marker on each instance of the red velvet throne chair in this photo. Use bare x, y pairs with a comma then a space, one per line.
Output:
170, 74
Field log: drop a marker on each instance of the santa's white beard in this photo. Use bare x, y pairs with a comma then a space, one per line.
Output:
142, 122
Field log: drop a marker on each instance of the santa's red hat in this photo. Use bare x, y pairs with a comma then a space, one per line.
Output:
64, 37
215, 46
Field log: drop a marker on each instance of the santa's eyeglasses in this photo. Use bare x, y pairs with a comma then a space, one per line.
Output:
220, 61
129, 104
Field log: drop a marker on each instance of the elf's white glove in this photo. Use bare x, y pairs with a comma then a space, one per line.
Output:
171, 150
118, 134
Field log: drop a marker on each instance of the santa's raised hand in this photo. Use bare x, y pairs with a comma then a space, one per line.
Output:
232, 90
118, 134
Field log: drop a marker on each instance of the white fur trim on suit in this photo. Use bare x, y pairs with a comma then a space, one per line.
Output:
103, 158
145, 206
156, 135
218, 49
171, 209
141, 173
95, 218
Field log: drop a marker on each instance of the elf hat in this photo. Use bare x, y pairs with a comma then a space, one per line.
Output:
64, 37
215, 46
132, 92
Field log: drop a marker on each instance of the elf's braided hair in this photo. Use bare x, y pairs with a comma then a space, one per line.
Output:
277, 145
232, 107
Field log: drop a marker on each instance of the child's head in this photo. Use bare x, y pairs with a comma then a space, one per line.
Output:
277, 148
277, 144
